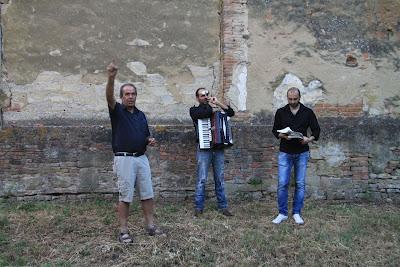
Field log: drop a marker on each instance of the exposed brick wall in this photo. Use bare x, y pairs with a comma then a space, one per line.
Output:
332, 110
234, 14
54, 160
67, 162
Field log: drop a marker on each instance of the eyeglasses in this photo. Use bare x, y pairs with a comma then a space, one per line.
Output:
204, 93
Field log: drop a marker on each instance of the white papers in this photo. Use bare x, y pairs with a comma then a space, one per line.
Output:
291, 134
286, 130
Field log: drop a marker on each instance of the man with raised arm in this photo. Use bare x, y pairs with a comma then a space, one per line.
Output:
130, 136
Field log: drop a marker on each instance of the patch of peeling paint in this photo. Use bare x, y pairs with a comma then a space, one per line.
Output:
54, 95
55, 53
182, 46
238, 90
137, 67
332, 153
139, 43
310, 94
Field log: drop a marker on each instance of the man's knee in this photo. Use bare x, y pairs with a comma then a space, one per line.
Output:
283, 181
147, 200
122, 208
300, 185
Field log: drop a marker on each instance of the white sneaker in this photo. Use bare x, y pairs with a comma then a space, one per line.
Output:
297, 218
280, 218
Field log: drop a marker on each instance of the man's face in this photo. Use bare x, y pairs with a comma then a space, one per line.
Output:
293, 99
129, 96
202, 96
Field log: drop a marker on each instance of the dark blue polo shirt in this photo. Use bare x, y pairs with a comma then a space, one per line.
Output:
129, 130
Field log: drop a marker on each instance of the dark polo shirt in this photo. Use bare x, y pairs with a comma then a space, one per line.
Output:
304, 119
129, 130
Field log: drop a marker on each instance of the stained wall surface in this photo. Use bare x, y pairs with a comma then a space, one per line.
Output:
344, 56
309, 42
56, 52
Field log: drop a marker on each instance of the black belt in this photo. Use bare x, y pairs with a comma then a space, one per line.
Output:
127, 154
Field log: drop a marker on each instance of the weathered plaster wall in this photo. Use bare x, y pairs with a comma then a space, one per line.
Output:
343, 55
56, 52
312, 39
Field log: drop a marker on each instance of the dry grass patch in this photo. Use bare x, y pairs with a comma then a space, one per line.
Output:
84, 234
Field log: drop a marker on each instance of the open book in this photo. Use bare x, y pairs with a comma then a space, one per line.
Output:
291, 134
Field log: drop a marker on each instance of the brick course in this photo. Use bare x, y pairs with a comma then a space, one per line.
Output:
336, 110
51, 162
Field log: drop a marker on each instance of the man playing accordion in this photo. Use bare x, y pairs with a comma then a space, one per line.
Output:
209, 155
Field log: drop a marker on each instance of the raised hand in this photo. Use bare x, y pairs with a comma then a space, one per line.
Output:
112, 70
214, 102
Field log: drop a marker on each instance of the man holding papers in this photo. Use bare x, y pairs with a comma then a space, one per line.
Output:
290, 126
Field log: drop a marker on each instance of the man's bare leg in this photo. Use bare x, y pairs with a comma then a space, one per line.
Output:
148, 212
123, 213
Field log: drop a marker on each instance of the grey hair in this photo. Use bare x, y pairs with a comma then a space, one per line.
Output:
121, 89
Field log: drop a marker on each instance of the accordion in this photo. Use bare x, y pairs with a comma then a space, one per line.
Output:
214, 132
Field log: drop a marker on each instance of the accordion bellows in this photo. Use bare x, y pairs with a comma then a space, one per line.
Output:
215, 132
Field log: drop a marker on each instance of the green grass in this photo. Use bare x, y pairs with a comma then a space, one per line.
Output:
33, 206
255, 181
4, 222
56, 264
84, 234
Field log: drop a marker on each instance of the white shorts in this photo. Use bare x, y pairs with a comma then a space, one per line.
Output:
133, 172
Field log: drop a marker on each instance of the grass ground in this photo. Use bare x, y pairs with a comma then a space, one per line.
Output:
83, 234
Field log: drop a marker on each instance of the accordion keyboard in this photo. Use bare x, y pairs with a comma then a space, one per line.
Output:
204, 130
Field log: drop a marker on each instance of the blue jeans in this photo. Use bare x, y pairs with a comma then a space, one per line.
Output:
285, 164
204, 159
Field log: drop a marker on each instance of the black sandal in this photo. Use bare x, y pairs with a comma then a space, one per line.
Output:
125, 238
154, 230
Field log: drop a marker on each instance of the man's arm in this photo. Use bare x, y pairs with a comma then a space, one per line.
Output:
151, 141
277, 126
112, 70
314, 126
201, 112
315, 130
228, 110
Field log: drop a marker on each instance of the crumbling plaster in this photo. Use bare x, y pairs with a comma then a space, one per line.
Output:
54, 96
312, 41
56, 53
